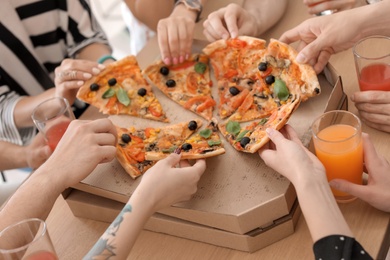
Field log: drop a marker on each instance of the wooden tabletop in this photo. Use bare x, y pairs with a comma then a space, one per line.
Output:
73, 236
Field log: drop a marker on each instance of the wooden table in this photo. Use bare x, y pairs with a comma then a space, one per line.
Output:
73, 237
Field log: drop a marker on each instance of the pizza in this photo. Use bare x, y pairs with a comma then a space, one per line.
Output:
204, 143
122, 89
259, 84
188, 83
134, 144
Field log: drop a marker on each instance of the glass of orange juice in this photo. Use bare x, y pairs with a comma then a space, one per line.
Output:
52, 117
372, 61
337, 139
28, 240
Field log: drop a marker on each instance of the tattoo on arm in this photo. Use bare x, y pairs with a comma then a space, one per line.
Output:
104, 247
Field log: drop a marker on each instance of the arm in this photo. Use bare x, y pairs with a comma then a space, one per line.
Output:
65, 167
142, 10
253, 19
307, 174
321, 37
17, 156
160, 187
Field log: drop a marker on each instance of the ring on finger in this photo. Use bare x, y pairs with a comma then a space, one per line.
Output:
72, 74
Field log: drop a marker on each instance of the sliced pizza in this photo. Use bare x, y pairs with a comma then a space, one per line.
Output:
252, 137
121, 89
134, 143
188, 83
204, 143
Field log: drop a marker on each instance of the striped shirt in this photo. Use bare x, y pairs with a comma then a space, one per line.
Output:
36, 35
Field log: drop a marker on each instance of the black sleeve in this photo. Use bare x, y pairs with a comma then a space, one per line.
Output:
339, 247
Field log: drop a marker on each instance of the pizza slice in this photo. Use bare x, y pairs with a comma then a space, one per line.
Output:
231, 96
134, 143
188, 83
235, 58
252, 137
121, 89
204, 143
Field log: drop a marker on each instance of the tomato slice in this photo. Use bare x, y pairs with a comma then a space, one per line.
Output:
192, 82
182, 66
207, 104
236, 43
155, 110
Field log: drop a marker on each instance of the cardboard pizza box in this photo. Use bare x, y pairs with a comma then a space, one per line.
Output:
238, 192
84, 205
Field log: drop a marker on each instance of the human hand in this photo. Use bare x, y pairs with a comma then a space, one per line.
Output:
286, 147
72, 74
164, 185
37, 152
175, 34
84, 145
374, 108
317, 6
376, 192
320, 37
229, 22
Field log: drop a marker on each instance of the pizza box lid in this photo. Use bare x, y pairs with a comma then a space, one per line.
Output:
90, 206
237, 192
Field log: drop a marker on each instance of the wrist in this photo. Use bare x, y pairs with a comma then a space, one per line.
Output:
190, 7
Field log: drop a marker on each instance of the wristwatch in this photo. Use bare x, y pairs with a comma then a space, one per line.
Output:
370, 2
193, 5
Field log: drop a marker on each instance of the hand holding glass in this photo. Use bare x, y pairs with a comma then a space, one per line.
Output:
338, 145
52, 117
28, 240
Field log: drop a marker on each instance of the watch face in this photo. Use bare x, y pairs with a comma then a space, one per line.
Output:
195, 4
373, 1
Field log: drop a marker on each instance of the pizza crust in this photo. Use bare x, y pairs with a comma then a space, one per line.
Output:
133, 171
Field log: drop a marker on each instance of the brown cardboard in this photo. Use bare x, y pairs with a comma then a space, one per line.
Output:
85, 205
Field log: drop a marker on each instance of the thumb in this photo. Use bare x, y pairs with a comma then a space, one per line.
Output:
173, 159
311, 51
275, 136
349, 187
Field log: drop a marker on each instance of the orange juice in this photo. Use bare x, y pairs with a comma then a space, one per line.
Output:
339, 147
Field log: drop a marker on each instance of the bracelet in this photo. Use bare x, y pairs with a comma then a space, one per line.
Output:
104, 58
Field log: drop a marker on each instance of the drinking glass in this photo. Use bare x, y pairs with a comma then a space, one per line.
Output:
28, 240
52, 117
372, 61
337, 139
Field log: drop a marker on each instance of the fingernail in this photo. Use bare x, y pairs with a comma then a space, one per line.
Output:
95, 71
175, 61
87, 75
177, 150
269, 131
234, 35
181, 59
301, 58
80, 83
187, 56
167, 61
101, 66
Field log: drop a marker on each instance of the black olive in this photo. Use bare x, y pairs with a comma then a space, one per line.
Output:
234, 91
164, 71
94, 87
126, 138
192, 125
170, 83
186, 147
141, 92
317, 90
244, 141
112, 82
262, 66
270, 79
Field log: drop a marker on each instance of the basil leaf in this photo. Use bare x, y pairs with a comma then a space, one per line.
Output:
206, 133
263, 121
241, 135
281, 90
169, 150
122, 96
200, 67
233, 127
212, 143
109, 93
